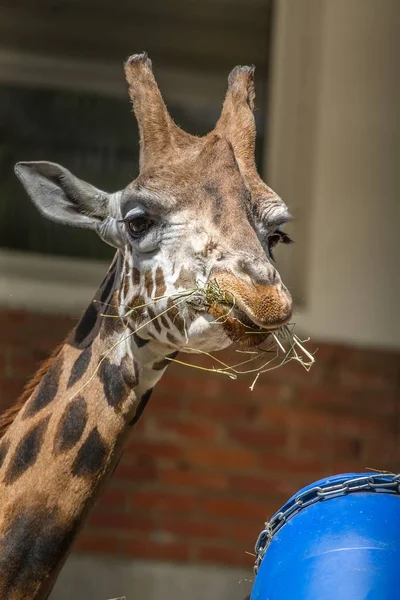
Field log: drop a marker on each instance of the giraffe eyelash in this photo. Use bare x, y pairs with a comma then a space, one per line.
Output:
278, 237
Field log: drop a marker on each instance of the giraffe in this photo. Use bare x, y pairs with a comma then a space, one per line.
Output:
197, 212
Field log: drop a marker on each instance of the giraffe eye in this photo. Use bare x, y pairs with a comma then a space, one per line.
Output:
139, 225
275, 238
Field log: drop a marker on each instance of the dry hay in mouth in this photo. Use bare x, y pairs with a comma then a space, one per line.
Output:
213, 294
282, 345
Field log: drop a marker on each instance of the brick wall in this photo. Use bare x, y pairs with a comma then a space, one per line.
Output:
210, 460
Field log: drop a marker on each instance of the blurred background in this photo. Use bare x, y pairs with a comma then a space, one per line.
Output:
210, 460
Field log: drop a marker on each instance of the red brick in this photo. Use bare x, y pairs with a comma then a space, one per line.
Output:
10, 389
257, 485
311, 443
226, 458
250, 436
264, 392
323, 397
236, 508
152, 449
293, 373
97, 543
16, 318
380, 403
136, 472
3, 364
185, 429
163, 401
363, 425
295, 465
382, 453
327, 353
335, 399
23, 365
195, 528
369, 376
227, 411
145, 548
176, 383
348, 466
193, 479
298, 417
350, 448
270, 414
247, 533
121, 522
45, 335
160, 501
189, 381
113, 497
239, 556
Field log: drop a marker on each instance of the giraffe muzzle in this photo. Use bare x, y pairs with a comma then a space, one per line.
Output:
266, 306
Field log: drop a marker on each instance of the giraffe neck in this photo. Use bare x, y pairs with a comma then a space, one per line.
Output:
66, 441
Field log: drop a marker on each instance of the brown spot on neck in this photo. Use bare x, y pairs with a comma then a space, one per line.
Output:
137, 304
26, 452
91, 456
111, 323
88, 327
80, 366
186, 279
118, 381
34, 544
164, 321
154, 319
160, 283
71, 426
135, 276
171, 338
47, 390
175, 316
4, 446
148, 282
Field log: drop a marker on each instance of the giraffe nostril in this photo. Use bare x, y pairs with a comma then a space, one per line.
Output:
260, 272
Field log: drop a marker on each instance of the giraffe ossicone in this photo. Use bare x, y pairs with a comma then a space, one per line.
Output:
198, 212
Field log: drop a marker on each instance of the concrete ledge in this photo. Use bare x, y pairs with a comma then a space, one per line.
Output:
102, 578
48, 284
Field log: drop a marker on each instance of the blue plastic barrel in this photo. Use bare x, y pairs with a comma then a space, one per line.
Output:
337, 539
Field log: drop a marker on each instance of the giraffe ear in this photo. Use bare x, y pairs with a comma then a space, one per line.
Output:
61, 196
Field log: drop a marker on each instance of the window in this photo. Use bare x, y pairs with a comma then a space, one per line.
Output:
63, 98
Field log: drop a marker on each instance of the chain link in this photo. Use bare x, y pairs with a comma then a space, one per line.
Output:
377, 482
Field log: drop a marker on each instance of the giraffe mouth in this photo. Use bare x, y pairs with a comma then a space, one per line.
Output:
238, 325
236, 322
257, 309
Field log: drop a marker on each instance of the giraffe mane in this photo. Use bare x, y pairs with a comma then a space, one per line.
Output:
9, 415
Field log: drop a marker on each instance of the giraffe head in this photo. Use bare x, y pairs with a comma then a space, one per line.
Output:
197, 213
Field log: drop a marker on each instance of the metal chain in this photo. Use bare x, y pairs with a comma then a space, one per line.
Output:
372, 483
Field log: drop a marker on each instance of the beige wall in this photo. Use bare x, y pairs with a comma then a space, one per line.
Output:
334, 144
334, 155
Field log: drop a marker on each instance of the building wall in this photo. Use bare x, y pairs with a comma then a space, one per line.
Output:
210, 460
334, 149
